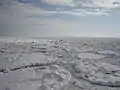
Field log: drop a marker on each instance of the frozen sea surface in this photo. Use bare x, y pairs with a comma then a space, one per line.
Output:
60, 64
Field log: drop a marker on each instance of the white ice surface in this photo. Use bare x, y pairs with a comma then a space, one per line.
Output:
65, 66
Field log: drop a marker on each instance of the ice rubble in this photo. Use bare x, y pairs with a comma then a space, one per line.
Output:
58, 58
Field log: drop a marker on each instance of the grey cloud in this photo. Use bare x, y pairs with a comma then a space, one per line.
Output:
76, 6
86, 6
5, 2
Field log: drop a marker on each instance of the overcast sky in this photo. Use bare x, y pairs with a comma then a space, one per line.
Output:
57, 18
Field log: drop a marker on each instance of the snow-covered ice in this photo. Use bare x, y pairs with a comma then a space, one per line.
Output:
55, 64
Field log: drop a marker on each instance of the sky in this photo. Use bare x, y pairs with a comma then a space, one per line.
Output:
60, 18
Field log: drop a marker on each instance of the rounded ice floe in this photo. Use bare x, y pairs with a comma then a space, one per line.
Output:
99, 73
89, 56
108, 53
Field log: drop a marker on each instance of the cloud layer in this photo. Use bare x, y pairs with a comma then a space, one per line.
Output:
58, 2
74, 7
59, 18
80, 7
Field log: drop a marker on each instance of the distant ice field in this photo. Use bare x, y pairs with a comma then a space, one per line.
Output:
59, 63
